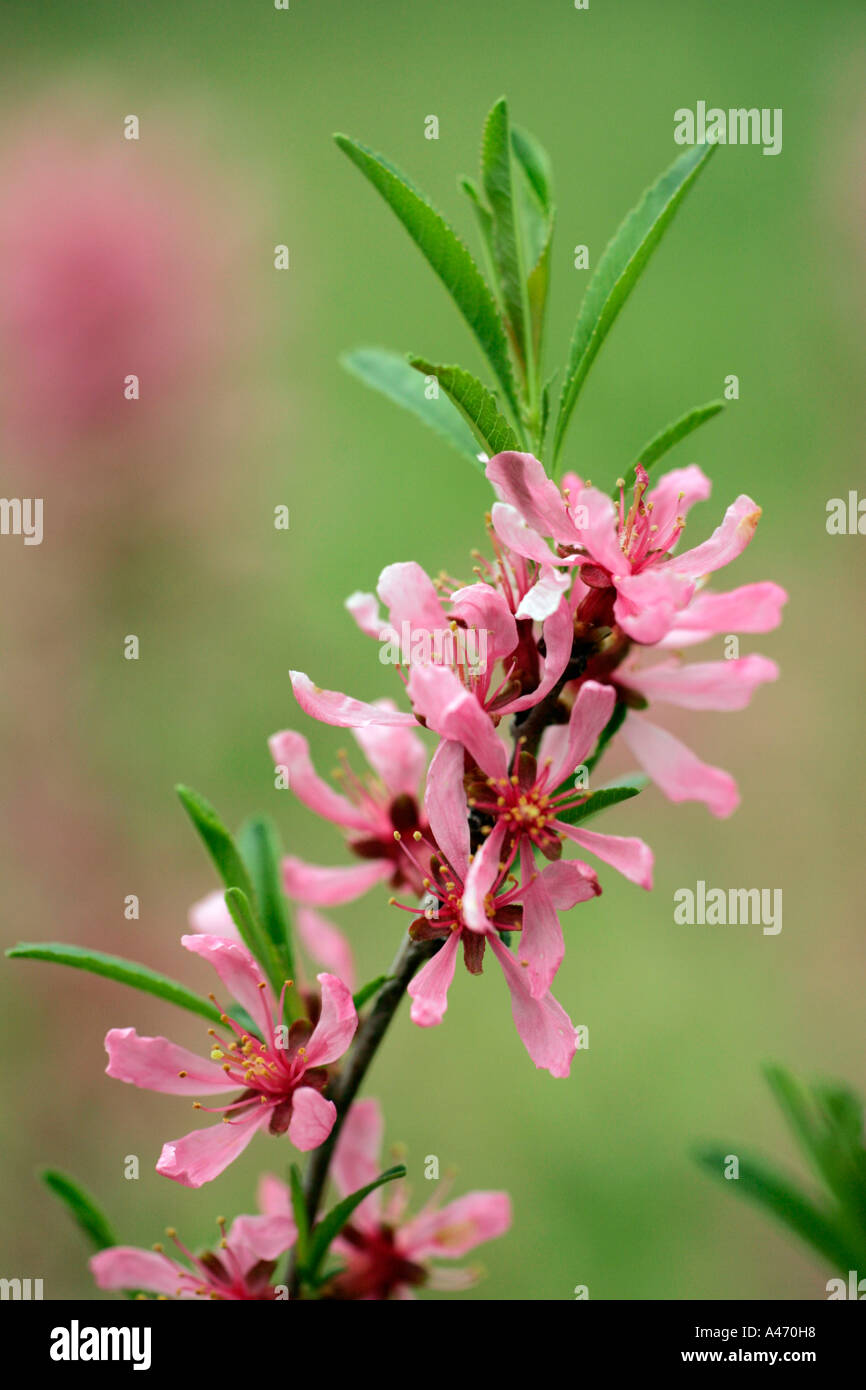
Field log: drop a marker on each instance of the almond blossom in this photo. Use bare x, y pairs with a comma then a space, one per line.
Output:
280, 1085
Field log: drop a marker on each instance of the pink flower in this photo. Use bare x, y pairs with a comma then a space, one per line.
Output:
369, 810
387, 1254
521, 803
321, 938
241, 1268
280, 1074
472, 909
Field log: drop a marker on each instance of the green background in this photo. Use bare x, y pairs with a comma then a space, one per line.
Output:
762, 276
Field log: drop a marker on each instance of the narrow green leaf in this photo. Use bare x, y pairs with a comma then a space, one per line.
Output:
622, 790
81, 1207
772, 1191
537, 215
331, 1225
260, 847
484, 218
476, 405
125, 972
535, 163
368, 990
618, 272
447, 256
393, 377
257, 942
668, 437
825, 1133
498, 185
299, 1210
218, 842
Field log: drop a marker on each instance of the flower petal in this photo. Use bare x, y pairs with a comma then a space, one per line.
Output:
291, 751
518, 536
558, 638
126, 1267
675, 494
324, 885
410, 596
273, 1196
728, 541
485, 609
429, 989
483, 872
445, 804
629, 855
326, 944
337, 1023
544, 1027
364, 608
543, 598
677, 770
242, 976
312, 1119
457, 1228
201, 1156
155, 1063
540, 948
453, 712
569, 882
211, 916
255, 1238
569, 745
521, 480
647, 604
332, 707
397, 755
751, 608
356, 1159
715, 685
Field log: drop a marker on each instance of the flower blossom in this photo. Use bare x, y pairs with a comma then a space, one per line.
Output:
280, 1083
385, 1253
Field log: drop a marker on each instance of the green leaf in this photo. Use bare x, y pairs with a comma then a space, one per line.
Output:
621, 790
299, 1210
476, 405
535, 163
331, 1225
537, 215
218, 842
772, 1191
827, 1121
668, 437
447, 256
125, 972
81, 1207
618, 272
260, 847
484, 218
393, 377
368, 990
497, 180
255, 940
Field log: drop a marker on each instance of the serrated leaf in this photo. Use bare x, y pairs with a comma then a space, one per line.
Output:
535, 163
621, 790
618, 272
392, 375
668, 437
777, 1195
331, 1225
446, 254
81, 1206
476, 405
498, 185
125, 972
535, 201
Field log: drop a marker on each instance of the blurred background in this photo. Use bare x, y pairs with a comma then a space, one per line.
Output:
155, 257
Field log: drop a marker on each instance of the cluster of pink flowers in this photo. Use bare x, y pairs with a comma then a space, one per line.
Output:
467, 837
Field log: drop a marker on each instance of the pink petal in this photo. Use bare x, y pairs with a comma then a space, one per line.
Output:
331, 707
291, 751
211, 916
751, 608
543, 598
364, 608
716, 685
647, 604
410, 596
453, 712
356, 1159
484, 608
326, 944
545, 1028
255, 1238
600, 534
630, 856
273, 1196
571, 744
336, 1026
457, 1228
516, 535
154, 1064
125, 1267
445, 804
201, 1156
676, 493
540, 947
326, 886
429, 989
521, 480
312, 1119
569, 882
242, 976
677, 770
727, 541
558, 639
396, 755
483, 872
